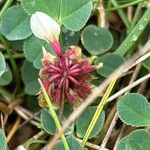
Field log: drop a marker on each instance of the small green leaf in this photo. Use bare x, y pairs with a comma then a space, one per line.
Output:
50, 7
3, 142
6, 77
110, 63
136, 140
75, 13
48, 123
72, 142
96, 40
33, 50
84, 120
15, 24
134, 109
2, 64
29, 77
71, 13
146, 63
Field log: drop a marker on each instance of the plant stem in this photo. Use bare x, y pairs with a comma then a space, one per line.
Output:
61, 109
6, 5
4, 92
13, 129
134, 34
121, 14
111, 127
12, 61
135, 18
101, 15
100, 108
54, 115
15, 56
125, 5
30, 142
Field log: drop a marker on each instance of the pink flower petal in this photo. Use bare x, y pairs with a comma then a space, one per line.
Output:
57, 49
54, 77
74, 80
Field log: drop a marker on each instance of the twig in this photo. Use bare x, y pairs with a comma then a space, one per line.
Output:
111, 127
119, 136
15, 103
36, 114
142, 86
101, 15
5, 109
105, 140
24, 116
138, 61
130, 9
11, 106
28, 113
14, 129
127, 88
2, 121
109, 118
91, 145
134, 75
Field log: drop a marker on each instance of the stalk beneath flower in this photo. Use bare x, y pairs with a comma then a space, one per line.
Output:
61, 108
54, 115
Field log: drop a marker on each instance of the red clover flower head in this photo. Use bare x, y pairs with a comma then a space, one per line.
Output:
66, 75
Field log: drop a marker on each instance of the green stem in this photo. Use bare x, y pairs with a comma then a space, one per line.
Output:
54, 115
6, 5
20, 94
134, 34
30, 142
125, 5
136, 16
133, 23
12, 61
4, 92
15, 56
108, 5
121, 14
